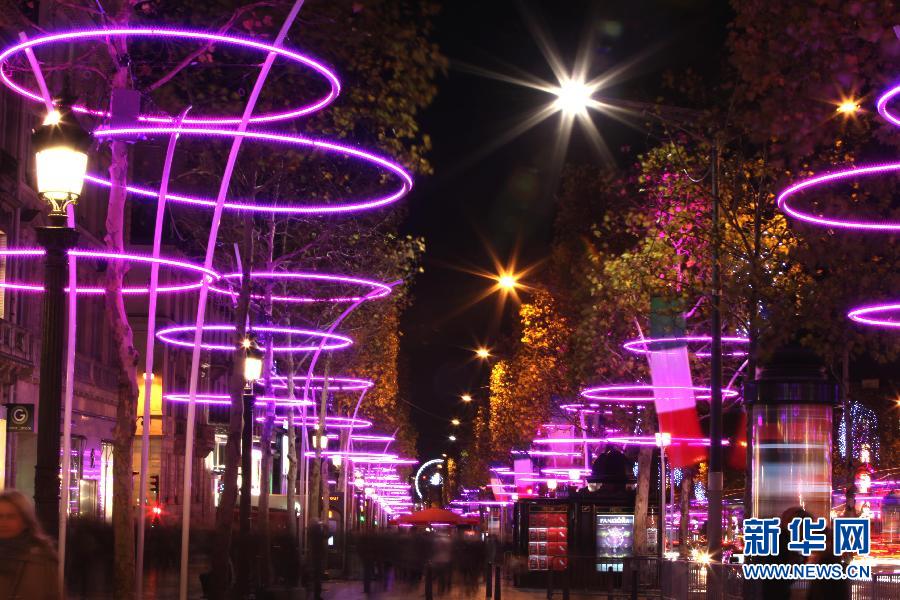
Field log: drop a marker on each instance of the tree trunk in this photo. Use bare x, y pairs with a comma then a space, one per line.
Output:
221, 571
126, 411
265, 442
291, 492
645, 462
687, 486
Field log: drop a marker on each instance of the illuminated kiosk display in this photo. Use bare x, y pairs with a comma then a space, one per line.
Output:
791, 403
589, 532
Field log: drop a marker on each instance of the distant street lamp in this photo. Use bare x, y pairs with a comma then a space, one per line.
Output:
483, 353
573, 97
253, 367
454, 422
60, 145
848, 107
452, 438
468, 398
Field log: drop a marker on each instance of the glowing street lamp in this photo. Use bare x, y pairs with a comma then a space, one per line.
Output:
508, 281
454, 422
468, 398
452, 438
253, 360
573, 97
848, 107
483, 353
60, 146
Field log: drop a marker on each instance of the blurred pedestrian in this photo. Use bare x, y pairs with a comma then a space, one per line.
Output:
28, 561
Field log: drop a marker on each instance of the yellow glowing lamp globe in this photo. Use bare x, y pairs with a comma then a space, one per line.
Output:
253, 366
60, 147
507, 282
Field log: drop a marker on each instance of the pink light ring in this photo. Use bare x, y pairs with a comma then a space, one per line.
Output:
872, 315
882, 107
371, 438
176, 264
337, 341
102, 34
353, 454
315, 144
331, 422
887, 226
546, 453
225, 400
643, 346
564, 471
614, 393
638, 440
375, 289
338, 384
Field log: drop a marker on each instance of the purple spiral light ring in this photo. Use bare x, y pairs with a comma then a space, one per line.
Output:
337, 384
622, 393
888, 226
337, 342
864, 315
642, 346
311, 143
331, 422
292, 55
376, 289
88, 253
882, 103
225, 400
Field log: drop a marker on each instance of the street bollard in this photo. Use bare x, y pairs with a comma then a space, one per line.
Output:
550, 584
498, 581
429, 582
488, 580
567, 583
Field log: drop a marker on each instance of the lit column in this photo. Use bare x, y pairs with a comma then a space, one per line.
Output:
791, 414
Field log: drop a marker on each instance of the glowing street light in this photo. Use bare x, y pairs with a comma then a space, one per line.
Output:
468, 398
508, 281
483, 353
452, 438
454, 422
573, 97
848, 107
253, 360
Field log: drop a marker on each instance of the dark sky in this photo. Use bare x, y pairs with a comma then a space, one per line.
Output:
503, 199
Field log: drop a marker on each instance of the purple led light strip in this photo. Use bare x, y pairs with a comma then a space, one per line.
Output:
335, 384
184, 34
868, 315
889, 226
225, 399
644, 346
340, 206
626, 393
330, 422
375, 289
334, 341
87, 253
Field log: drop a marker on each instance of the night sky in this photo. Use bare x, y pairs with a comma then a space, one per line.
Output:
480, 200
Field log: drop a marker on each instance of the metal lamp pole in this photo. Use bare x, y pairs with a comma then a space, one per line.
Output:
60, 147
252, 371
714, 519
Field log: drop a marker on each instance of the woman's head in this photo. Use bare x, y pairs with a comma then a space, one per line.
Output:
17, 516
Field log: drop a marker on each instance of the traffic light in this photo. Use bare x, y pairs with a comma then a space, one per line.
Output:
154, 485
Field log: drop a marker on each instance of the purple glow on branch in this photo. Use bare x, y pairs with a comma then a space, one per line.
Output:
295, 207
374, 289
334, 341
102, 34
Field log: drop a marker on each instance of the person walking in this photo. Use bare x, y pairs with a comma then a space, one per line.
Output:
28, 561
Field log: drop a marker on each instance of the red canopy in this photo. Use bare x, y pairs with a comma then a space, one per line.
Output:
430, 516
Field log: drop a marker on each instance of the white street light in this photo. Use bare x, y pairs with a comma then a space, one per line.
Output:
573, 97
253, 360
60, 147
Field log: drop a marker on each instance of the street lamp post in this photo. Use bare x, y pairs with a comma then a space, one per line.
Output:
60, 145
253, 363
